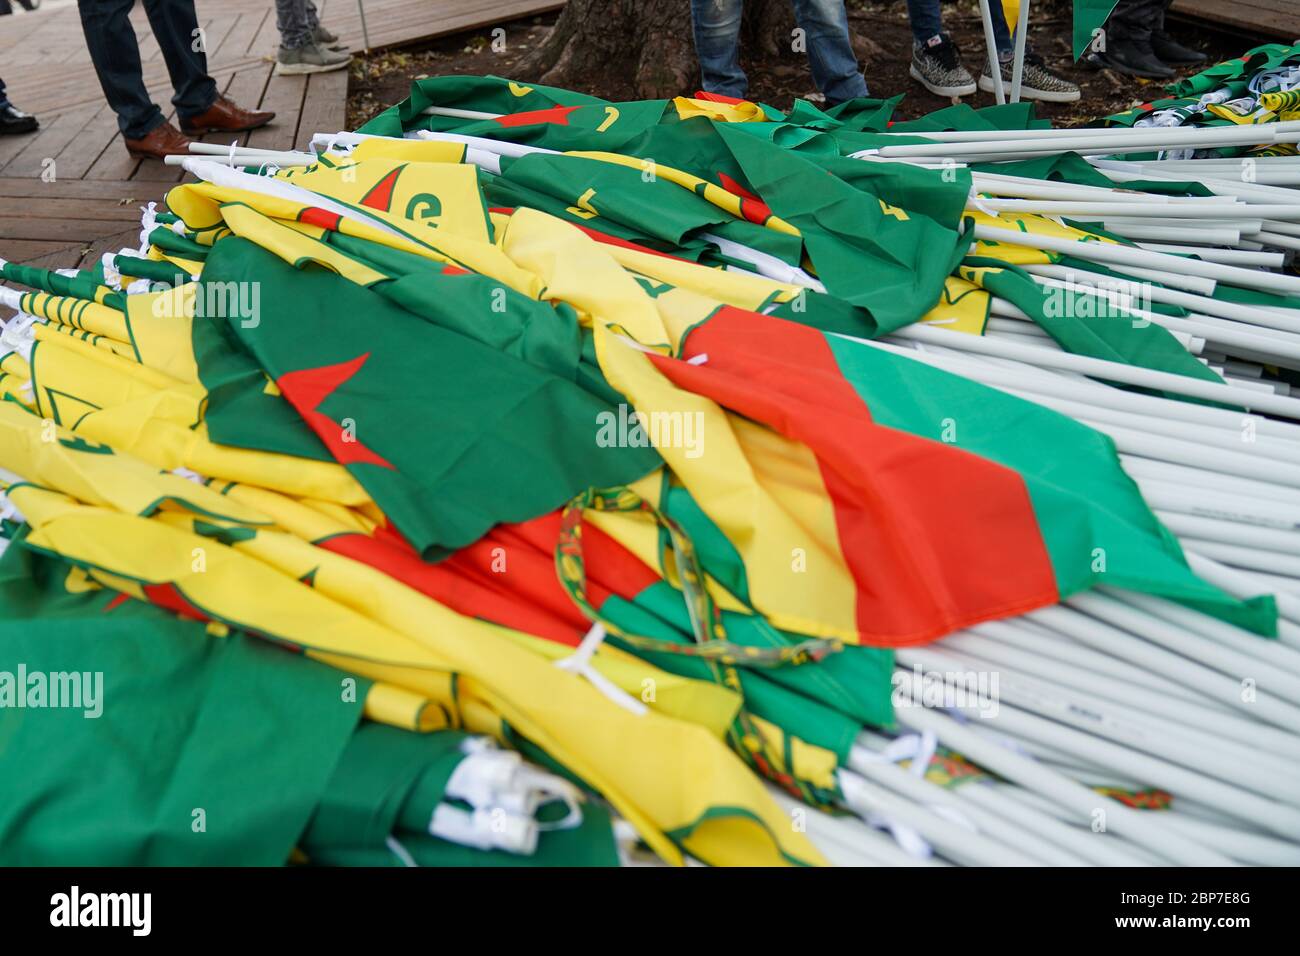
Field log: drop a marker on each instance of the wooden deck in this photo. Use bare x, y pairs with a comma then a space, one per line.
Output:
1270, 19
92, 202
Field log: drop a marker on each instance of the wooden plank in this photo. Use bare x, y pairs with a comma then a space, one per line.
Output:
38, 157
25, 250
325, 108
120, 191
11, 146
76, 159
64, 257
109, 243
58, 230
102, 208
284, 95
1272, 18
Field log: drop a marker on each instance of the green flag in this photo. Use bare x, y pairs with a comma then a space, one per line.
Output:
1089, 16
186, 749
449, 435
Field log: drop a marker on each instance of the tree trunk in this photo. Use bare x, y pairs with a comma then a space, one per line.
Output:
641, 49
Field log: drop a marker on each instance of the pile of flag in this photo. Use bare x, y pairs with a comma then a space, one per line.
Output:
527, 478
1262, 86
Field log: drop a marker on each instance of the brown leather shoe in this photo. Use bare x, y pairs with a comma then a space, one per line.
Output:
164, 140
226, 116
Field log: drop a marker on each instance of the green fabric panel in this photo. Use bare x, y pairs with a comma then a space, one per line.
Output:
1089, 16
1232, 293
589, 844
168, 241
653, 206
1085, 265
599, 126
232, 726
451, 435
488, 94
893, 267
375, 778
151, 269
1082, 498
919, 191
534, 332
1073, 168
240, 412
1090, 325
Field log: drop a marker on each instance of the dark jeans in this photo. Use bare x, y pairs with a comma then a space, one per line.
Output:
826, 30
927, 22
116, 55
4, 100
1133, 21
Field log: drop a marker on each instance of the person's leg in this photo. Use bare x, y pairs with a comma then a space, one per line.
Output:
1128, 34
176, 27
116, 56
926, 19
313, 15
936, 61
1133, 21
304, 47
1001, 31
1037, 81
1167, 49
292, 21
716, 25
830, 52
12, 119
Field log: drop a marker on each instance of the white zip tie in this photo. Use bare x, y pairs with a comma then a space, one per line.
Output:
112, 278
579, 662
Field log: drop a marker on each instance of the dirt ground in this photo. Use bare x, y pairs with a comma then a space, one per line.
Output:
882, 38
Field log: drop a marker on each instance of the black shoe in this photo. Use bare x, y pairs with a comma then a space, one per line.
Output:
16, 121
1169, 50
1135, 60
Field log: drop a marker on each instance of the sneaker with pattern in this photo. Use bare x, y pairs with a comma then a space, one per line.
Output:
1037, 83
936, 65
